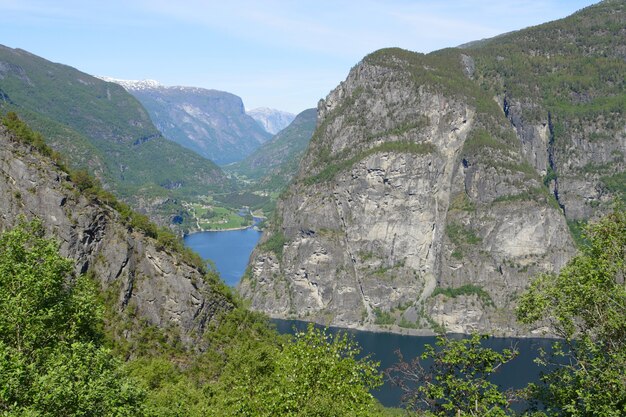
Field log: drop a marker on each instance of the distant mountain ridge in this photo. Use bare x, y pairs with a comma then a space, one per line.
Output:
211, 123
272, 120
133, 84
276, 162
100, 126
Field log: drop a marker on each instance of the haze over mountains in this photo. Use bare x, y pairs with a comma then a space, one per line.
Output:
97, 125
211, 123
272, 120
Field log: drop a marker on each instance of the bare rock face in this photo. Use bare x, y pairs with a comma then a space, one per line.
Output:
159, 287
578, 162
414, 208
435, 186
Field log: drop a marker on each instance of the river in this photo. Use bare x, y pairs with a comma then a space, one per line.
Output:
230, 250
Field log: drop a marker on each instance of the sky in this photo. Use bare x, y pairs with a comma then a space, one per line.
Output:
282, 54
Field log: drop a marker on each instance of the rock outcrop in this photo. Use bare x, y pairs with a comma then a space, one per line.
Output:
435, 186
272, 120
158, 286
393, 202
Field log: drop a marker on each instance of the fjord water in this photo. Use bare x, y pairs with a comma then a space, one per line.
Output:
229, 250
383, 346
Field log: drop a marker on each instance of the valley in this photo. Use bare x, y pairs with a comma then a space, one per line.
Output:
421, 194
442, 235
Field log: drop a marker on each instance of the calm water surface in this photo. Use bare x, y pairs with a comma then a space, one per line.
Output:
382, 347
229, 250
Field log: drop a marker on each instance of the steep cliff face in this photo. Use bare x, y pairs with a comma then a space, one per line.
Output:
561, 85
272, 120
436, 185
148, 283
405, 190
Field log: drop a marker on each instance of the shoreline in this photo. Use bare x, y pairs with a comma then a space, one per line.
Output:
408, 332
232, 229
255, 220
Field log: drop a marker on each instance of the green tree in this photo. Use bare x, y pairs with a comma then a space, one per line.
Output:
52, 362
315, 374
456, 382
170, 390
585, 305
82, 179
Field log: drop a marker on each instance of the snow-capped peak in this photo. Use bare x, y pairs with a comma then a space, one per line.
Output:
134, 84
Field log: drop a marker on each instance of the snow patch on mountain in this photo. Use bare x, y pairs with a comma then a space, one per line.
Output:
134, 85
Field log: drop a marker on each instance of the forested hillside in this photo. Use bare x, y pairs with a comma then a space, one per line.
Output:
98, 126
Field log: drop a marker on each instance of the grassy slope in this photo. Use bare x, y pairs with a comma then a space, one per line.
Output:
100, 126
280, 156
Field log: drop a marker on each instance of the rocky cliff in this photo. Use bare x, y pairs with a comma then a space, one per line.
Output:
146, 282
211, 123
436, 185
272, 120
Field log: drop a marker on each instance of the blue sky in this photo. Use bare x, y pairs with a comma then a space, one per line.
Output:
285, 54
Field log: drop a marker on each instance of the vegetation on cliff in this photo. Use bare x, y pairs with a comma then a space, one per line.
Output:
585, 305
57, 357
91, 187
101, 128
461, 168
67, 350
61, 352
53, 359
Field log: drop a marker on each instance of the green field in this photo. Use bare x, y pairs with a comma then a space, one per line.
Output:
213, 217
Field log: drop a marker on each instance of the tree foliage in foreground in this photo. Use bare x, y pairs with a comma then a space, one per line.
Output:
456, 382
314, 374
52, 362
53, 359
586, 307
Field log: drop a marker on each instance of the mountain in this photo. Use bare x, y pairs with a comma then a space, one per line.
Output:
436, 185
211, 123
272, 120
146, 281
275, 163
99, 126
